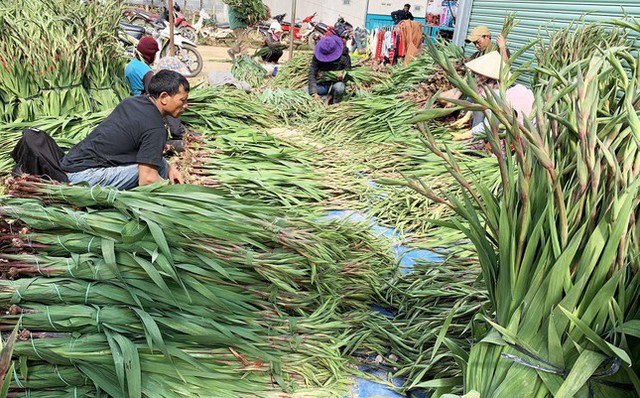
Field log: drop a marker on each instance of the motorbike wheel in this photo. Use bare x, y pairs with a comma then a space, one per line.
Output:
256, 37
314, 38
190, 56
189, 33
141, 22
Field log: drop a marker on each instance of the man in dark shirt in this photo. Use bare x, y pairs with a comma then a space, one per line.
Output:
329, 55
125, 150
402, 15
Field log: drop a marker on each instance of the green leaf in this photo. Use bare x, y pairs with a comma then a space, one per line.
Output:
631, 328
6, 382
585, 366
160, 239
438, 383
598, 341
7, 352
152, 331
443, 330
127, 363
133, 231
109, 254
153, 273
103, 378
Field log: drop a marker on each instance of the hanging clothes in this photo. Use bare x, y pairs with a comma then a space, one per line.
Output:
388, 43
393, 51
380, 52
360, 40
400, 43
373, 43
412, 33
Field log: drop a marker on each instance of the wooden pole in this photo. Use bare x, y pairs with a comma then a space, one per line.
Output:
172, 49
293, 24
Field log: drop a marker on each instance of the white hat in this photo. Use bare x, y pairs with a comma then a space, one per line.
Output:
488, 65
275, 27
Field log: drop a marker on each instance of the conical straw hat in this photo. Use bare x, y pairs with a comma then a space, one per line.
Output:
488, 65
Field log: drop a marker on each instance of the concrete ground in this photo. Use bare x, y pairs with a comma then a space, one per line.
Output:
216, 59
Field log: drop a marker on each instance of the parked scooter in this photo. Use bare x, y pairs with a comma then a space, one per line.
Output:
185, 50
287, 30
204, 26
208, 28
341, 28
180, 22
148, 19
141, 17
257, 34
301, 32
320, 30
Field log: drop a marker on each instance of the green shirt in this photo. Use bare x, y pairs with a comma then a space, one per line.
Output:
236, 20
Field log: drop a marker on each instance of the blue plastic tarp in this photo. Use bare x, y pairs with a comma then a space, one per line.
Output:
367, 388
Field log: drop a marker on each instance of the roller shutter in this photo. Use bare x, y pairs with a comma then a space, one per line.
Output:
535, 15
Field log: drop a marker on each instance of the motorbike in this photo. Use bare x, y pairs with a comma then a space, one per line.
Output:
208, 28
256, 34
301, 32
320, 30
205, 25
180, 22
148, 19
286, 27
141, 17
341, 28
185, 50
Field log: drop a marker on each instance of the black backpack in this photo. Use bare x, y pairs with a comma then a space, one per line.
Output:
38, 154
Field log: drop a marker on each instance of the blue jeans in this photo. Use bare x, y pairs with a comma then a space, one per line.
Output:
336, 89
121, 177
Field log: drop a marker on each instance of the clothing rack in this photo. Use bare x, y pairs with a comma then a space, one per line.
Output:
387, 44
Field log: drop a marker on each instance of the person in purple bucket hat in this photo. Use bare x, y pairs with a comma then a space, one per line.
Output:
328, 56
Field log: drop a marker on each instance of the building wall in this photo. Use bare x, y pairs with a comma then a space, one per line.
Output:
386, 7
215, 8
354, 11
328, 11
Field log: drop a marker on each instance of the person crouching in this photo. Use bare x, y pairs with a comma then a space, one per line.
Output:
126, 149
329, 56
272, 46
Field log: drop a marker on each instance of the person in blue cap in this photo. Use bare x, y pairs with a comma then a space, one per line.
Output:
328, 56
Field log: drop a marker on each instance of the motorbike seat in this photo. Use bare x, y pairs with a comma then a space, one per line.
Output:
133, 30
223, 25
146, 13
